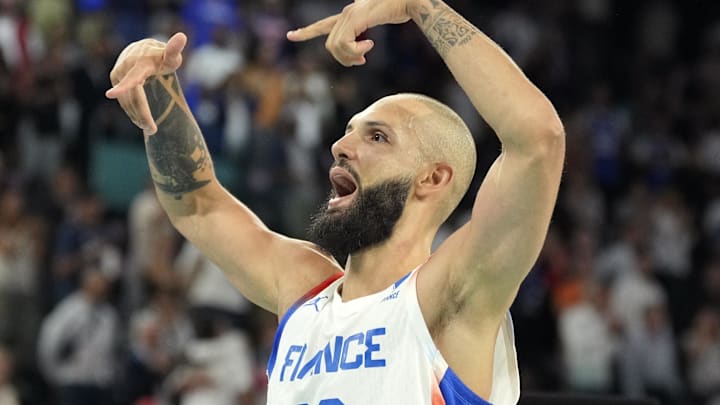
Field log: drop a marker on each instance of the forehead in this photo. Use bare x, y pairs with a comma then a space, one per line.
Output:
398, 113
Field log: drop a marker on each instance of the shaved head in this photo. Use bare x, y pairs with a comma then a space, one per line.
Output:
442, 137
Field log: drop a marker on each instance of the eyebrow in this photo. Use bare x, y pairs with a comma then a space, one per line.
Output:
384, 124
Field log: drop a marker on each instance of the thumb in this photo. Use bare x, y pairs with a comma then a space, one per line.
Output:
360, 48
172, 57
364, 46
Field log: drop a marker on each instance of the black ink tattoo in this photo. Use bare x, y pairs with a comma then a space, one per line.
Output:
177, 151
444, 28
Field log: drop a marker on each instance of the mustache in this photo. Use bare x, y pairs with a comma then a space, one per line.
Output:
343, 163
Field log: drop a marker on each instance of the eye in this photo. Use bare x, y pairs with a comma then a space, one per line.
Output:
378, 136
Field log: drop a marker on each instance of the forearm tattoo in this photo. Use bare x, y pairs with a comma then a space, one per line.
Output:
444, 27
177, 151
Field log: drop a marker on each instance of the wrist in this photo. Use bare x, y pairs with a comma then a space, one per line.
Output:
411, 7
417, 7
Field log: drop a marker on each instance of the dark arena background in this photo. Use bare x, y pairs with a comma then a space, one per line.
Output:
622, 307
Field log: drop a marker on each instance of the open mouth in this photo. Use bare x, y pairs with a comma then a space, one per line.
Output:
343, 184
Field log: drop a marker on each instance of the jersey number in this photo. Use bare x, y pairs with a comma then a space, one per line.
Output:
331, 401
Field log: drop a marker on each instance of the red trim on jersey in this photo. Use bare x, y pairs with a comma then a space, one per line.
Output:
436, 397
319, 287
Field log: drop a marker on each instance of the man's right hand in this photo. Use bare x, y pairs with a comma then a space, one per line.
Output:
136, 63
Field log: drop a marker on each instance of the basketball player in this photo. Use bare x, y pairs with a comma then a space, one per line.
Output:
397, 325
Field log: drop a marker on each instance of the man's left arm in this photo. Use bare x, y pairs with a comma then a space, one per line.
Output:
513, 207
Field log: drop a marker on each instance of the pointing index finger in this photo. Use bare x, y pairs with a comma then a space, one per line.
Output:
314, 30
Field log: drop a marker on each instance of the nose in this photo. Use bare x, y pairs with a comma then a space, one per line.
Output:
344, 148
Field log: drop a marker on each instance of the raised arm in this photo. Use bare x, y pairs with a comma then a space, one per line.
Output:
513, 207
515, 202
269, 269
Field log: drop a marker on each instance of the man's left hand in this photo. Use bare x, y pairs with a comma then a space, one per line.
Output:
343, 29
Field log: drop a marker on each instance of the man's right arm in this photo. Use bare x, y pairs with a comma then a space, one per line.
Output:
253, 258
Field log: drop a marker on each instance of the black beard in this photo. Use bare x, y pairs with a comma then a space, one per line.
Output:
367, 221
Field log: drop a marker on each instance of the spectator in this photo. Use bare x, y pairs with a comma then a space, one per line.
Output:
269, 23
93, 55
212, 63
158, 336
208, 291
672, 240
702, 349
21, 43
650, 365
21, 250
588, 342
606, 127
632, 293
83, 229
219, 367
209, 68
148, 229
41, 137
262, 85
619, 257
569, 282
309, 108
77, 344
49, 16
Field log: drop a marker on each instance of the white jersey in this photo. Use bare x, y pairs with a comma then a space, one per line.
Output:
373, 350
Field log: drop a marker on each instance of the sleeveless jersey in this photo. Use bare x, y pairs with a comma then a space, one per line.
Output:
373, 350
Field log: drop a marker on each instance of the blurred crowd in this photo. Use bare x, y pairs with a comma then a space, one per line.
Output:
112, 306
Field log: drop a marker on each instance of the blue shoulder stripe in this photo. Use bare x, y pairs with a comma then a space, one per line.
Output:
397, 283
455, 392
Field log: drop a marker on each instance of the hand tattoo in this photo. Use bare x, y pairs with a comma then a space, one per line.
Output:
177, 152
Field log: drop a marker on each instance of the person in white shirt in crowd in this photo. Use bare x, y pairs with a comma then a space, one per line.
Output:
633, 291
208, 291
218, 368
77, 344
588, 342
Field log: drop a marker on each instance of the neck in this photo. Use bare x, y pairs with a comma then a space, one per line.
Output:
375, 268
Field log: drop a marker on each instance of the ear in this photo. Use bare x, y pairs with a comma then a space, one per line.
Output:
436, 178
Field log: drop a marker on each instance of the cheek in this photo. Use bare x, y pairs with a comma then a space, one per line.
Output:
379, 166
